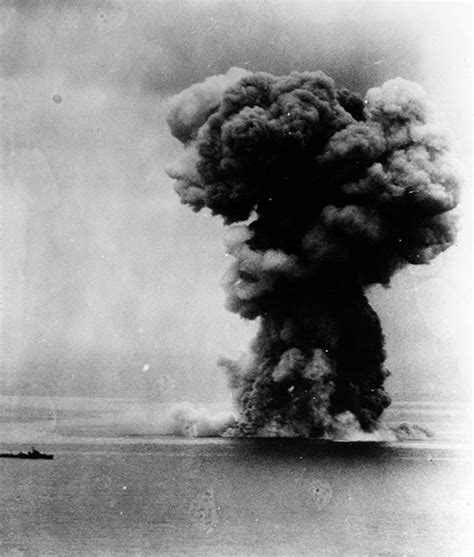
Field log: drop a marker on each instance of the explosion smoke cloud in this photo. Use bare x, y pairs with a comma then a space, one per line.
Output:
331, 193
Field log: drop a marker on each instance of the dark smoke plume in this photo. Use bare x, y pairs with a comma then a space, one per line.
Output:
332, 193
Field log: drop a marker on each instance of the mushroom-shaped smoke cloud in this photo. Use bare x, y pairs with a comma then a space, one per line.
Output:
332, 193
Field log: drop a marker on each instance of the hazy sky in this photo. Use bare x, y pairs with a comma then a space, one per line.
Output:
110, 286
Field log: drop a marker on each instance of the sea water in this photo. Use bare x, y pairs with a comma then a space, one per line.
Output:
143, 494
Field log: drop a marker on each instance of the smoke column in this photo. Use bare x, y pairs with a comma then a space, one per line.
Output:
325, 193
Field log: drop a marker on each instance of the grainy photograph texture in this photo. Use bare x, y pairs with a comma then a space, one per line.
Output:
236, 278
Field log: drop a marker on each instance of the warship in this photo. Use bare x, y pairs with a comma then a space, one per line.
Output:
32, 455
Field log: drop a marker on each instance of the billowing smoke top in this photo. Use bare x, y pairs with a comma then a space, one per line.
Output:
333, 193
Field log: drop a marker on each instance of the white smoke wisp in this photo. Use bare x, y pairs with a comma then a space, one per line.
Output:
189, 110
189, 420
346, 428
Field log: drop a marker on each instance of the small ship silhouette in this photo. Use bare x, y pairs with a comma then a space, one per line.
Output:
32, 455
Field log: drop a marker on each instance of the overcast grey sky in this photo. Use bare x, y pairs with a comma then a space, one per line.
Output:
110, 286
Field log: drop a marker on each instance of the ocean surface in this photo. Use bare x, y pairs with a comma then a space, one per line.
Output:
116, 487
